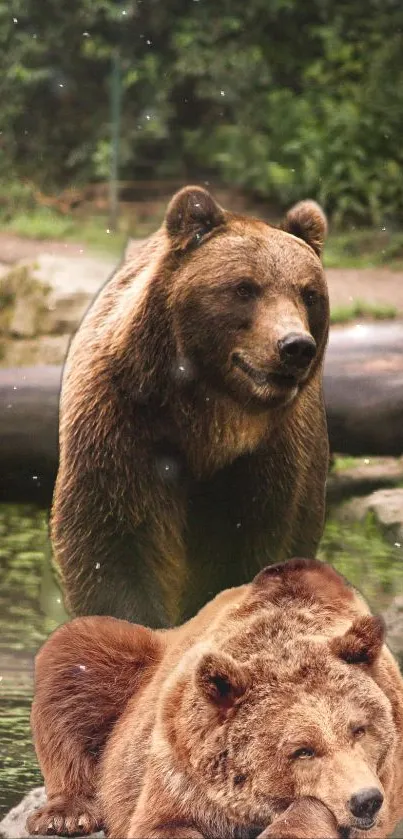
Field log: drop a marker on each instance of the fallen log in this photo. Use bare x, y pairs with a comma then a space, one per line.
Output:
29, 408
363, 386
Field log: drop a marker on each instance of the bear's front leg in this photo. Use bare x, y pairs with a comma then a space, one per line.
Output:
85, 674
159, 815
65, 815
173, 830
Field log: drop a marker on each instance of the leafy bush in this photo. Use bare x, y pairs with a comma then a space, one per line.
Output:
283, 98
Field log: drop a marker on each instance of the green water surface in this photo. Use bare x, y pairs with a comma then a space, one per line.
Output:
30, 608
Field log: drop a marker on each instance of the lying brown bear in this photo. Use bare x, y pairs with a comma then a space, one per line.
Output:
276, 691
193, 444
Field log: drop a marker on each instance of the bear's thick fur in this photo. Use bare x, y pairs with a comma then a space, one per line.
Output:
193, 444
305, 818
276, 691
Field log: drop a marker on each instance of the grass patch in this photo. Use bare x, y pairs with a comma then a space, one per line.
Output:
342, 462
365, 248
347, 462
42, 223
360, 309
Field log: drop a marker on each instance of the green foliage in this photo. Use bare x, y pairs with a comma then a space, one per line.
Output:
15, 195
285, 99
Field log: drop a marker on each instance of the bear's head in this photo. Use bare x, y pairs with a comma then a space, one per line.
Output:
267, 719
249, 301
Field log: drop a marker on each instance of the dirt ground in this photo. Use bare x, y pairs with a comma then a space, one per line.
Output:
14, 248
371, 285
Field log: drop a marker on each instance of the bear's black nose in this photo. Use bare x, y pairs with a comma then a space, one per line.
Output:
297, 350
366, 803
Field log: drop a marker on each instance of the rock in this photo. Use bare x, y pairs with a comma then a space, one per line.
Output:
13, 826
23, 299
364, 478
28, 314
42, 304
73, 282
386, 505
32, 352
50, 296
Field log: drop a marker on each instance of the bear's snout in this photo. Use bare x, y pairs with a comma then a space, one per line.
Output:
366, 803
297, 349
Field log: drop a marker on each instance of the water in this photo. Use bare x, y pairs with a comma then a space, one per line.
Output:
29, 611
30, 608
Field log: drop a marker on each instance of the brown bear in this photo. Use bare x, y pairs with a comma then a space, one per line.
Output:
277, 691
193, 443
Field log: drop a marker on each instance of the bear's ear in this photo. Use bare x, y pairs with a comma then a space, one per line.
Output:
192, 214
307, 221
362, 643
221, 679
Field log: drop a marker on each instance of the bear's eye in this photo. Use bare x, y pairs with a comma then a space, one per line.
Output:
310, 296
359, 731
246, 290
303, 754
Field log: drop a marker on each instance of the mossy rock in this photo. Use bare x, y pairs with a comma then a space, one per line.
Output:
23, 302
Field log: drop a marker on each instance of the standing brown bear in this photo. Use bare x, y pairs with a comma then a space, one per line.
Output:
193, 444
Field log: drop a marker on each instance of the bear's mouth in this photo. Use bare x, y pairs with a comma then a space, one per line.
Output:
262, 378
364, 824
346, 831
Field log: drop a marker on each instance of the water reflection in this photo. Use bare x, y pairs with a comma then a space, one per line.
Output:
30, 608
